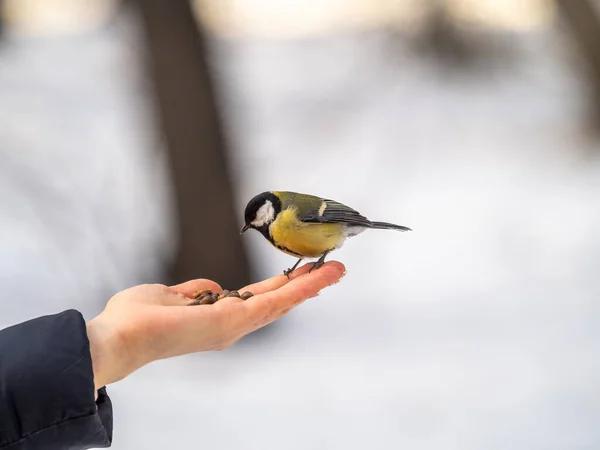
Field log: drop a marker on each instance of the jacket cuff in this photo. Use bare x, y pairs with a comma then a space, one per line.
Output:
47, 396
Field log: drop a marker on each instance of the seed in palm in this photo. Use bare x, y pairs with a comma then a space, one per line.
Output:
197, 294
207, 297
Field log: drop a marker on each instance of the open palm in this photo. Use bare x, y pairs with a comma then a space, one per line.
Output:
150, 322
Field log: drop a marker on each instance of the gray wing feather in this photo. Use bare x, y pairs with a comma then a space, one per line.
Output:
336, 212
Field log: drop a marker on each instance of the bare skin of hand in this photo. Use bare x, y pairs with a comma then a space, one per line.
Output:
150, 322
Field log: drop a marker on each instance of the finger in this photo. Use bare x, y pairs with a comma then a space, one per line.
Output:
264, 308
234, 319
275, 282
225, 301
189, 287
267, 285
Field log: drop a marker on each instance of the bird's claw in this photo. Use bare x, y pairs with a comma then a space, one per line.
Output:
315, 266
287, 272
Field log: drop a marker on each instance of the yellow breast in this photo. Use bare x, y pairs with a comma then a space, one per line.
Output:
304, 239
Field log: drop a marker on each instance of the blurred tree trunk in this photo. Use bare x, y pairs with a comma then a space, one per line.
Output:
2, 6
210, 245
583, 19
442, 38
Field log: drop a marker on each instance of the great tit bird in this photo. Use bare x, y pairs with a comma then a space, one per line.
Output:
306, 226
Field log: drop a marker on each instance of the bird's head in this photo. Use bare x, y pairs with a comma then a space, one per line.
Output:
261, 211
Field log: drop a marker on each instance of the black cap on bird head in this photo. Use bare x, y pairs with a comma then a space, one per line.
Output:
261, 211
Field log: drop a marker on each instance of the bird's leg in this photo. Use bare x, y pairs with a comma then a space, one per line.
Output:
287, 272
319, 262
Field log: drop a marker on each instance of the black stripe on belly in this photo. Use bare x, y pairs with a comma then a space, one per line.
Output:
285, 249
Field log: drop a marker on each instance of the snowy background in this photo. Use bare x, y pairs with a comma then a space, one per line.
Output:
478, 330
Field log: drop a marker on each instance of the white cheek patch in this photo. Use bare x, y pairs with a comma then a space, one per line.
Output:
264, 215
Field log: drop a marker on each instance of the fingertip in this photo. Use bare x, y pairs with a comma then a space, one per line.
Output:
336, 267
330, 272
189, 287
302, 287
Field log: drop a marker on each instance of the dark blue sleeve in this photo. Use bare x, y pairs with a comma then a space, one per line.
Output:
47, 396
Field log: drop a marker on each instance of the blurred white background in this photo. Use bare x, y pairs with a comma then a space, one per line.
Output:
478, 330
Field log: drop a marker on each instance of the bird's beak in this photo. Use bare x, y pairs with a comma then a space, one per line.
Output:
244, 228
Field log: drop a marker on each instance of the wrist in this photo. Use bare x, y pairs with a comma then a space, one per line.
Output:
108, 350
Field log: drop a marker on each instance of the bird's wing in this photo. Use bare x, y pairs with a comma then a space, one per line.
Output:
331, 211
303, 203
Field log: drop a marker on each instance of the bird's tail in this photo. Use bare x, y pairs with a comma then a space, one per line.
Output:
388, 226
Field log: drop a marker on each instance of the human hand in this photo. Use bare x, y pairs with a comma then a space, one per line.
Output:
150, 322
